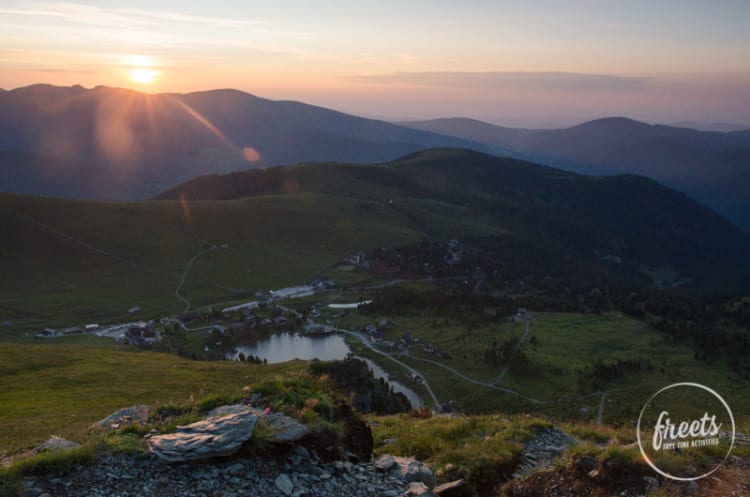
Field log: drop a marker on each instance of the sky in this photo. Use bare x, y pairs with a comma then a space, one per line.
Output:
518, 63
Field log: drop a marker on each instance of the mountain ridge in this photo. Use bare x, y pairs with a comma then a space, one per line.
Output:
695, 162
604, 214
153, 141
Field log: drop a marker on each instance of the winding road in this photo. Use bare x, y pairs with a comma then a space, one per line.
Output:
478, 382
367, 343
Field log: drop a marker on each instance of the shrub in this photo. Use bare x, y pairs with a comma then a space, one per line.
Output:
213, 401
59, 463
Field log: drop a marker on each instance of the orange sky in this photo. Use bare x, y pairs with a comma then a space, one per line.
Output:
501, 61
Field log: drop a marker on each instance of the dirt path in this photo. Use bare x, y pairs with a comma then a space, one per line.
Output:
182, 282
515, 349
600, 414
478, 382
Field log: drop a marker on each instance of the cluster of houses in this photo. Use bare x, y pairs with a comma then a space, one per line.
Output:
141, 334
241, 317
455, 253
358, 260
74, 330
375, 332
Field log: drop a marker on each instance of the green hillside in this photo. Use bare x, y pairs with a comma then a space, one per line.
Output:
65, 262
630, 217
62, 389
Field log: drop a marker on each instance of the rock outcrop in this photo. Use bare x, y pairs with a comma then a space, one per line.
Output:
284, 428
406, 469
55, 443
213, 437
223, 433
129, 415
541, 451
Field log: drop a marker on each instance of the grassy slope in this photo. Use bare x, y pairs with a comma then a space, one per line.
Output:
632, 217
566, 343
274, 241
301, 219
63, 389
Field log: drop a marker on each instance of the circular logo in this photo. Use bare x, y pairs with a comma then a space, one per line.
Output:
684, 418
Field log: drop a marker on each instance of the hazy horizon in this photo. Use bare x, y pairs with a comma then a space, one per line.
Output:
550, 64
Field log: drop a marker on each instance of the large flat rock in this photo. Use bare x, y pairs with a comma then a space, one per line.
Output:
213, 437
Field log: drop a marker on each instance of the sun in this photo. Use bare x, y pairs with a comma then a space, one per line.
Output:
143, 69
143, 75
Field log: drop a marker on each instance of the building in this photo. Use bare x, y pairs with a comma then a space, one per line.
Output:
141, 334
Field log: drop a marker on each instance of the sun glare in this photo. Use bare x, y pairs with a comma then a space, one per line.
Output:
143, 75
143, 69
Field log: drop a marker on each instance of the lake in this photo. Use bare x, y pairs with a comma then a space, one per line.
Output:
288, 346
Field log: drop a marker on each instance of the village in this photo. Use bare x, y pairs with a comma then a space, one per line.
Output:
218, 333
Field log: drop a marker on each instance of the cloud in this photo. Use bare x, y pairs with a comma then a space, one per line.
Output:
534, 81
98, 16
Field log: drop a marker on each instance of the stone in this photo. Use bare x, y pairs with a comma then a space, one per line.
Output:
55, 443
213, 437
452, 489
271, 475
129, 415
651, 482
584, 464
385, 463
284, 484
226, 410
235, 468
302, 452
284, 428
416, 489
691, 488
410, 470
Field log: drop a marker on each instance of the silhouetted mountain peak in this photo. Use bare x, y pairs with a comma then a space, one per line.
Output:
613, 125
45, 91
157, 140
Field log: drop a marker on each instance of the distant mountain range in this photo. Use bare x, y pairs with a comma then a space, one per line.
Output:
124, 144
112, 143
712, 167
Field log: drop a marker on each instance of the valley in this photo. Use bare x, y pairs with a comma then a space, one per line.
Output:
420, 240
393, 249
483, 285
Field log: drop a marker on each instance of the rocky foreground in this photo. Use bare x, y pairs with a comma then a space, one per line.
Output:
295, 474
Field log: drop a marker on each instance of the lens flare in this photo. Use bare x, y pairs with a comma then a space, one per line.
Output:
251, 154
